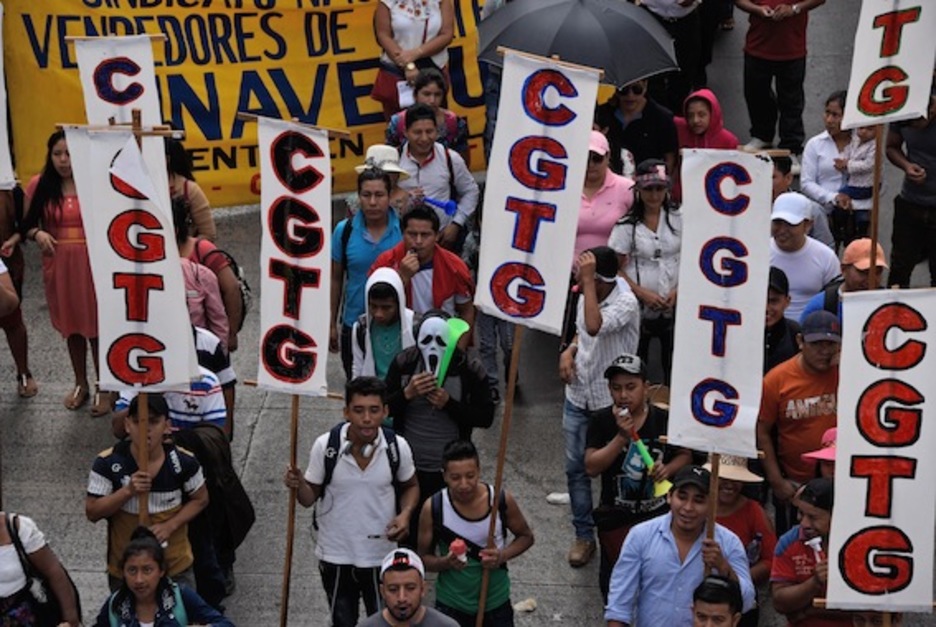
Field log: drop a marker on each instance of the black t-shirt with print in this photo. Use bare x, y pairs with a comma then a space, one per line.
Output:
626, 484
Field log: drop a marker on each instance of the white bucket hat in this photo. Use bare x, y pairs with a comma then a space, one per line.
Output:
382, 157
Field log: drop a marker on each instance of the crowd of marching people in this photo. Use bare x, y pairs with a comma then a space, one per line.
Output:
424, 368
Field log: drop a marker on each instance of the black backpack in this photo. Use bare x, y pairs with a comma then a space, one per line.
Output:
245, 291
333, 452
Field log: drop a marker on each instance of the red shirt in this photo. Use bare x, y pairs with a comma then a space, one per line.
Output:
776, 41
794, 563
750, 524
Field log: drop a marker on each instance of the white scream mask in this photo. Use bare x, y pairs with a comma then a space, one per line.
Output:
432, 341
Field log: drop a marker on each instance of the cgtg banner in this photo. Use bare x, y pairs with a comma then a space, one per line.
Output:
534, 190
295, 257
881, 544
724, 264
135, 263
892, 66
117, 76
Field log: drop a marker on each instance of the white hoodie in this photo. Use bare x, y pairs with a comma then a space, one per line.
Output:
363, 359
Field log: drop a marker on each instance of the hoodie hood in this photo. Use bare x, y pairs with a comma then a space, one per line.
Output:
387, 275
716, 136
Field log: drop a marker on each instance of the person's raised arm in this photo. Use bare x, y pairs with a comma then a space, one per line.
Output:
589, 293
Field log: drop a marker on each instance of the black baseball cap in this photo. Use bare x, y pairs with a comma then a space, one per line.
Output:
778, 281
819, 493
627, 364
692, 475
821, 326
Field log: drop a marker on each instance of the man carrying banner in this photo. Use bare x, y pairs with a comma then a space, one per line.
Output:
799, 401
357, 481
607, 324
800, 567
664, 559
911, 146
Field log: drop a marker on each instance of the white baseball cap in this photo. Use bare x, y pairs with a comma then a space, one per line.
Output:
402, 559
792, 208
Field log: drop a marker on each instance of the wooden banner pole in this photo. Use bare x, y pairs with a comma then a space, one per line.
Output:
873, 279
713, 497
291, 518
501, 457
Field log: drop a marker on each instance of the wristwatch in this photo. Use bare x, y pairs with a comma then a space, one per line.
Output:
412, 66
796, 9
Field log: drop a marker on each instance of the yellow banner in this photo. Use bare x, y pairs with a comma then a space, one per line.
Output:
314, 60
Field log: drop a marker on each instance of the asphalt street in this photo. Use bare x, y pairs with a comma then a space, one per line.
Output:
47, 450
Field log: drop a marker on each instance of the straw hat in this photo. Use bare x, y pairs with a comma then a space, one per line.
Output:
734, 468
382, 157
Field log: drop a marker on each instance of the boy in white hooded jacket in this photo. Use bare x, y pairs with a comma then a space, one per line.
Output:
385, 329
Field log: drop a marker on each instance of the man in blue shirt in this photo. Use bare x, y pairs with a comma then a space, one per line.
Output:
666, 558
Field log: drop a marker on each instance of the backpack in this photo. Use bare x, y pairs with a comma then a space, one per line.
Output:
179, 611
245, 291
446, 535
831, 296
333, 452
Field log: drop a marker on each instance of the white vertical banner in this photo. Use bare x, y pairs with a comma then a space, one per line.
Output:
143, 319
118, 75
295, 257
892, 66
719, 343
881, 544
534, 190
7, 178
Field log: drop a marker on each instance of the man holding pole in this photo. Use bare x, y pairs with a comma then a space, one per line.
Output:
607, 324
664, 559
453, 531
357, 521
172, 478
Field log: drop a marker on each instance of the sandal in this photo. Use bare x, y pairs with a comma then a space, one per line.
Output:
77, 398
26, 386
102, 404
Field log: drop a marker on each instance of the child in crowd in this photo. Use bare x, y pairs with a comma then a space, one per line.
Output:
857, 164
491, 330
385, 329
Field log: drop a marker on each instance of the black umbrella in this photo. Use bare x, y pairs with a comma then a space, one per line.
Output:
614, 35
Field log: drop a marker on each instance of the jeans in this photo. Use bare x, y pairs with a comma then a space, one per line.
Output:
491, 332
575, 426
765, 105
913, 240
502, 616
662, 328
345, 585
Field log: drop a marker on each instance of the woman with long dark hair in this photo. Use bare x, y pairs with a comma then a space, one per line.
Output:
53, 221
647, 241
149, 597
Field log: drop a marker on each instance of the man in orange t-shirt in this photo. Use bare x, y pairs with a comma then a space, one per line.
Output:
798, 405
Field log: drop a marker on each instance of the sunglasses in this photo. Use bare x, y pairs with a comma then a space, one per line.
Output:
636, 89
594, 157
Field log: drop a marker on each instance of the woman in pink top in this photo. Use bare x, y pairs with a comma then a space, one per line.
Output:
606, 198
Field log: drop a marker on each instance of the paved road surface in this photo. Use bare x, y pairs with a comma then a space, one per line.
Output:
47, 450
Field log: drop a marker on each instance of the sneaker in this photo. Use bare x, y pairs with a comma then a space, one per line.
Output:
795, 165
581, 552
558, 498
756, 144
